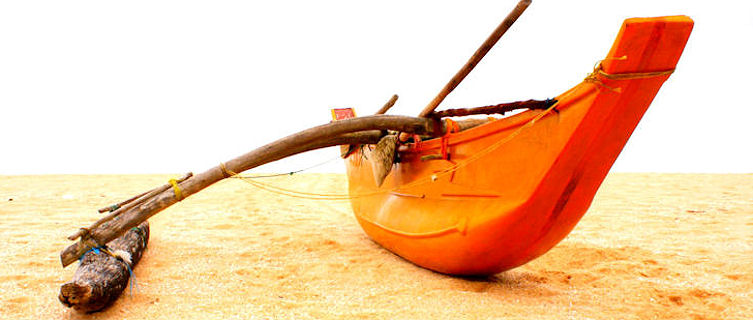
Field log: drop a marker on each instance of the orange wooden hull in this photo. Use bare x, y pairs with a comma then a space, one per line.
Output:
513, 188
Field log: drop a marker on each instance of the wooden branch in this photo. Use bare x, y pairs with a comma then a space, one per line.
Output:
130, 204
477, 56
117, 206
495, 109
333, 133
388, 105
101, 277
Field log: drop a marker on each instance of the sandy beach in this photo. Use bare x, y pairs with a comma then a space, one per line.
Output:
652, 246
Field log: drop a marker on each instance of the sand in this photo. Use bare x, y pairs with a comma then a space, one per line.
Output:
652, 246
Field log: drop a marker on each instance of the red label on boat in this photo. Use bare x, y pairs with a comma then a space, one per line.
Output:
343, 113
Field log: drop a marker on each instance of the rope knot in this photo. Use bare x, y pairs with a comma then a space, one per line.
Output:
598, 74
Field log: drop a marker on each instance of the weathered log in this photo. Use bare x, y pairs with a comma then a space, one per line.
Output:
331, 134
104, 272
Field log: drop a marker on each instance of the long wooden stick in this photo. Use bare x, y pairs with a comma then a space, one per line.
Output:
129, 204
495, 109
349, 131
477, 56
388, 105
118, 205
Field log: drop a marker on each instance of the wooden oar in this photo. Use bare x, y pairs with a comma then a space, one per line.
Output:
477, 56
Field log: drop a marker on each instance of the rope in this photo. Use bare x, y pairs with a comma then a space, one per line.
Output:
176, 189
286, 173
599, 71
224, 170
452, 126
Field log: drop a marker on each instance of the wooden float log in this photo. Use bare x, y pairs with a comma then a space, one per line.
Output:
331, 134
104, 273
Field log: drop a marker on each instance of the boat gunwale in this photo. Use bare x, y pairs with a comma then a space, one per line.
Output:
502, 124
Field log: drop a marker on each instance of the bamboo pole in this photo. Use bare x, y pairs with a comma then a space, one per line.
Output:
350, 131
476, 57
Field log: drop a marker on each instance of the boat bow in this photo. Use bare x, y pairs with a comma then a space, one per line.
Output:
496, 196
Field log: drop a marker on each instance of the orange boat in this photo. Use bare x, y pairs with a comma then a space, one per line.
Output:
496, 196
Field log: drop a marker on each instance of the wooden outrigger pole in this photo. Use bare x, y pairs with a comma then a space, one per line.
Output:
360, 130
476, 57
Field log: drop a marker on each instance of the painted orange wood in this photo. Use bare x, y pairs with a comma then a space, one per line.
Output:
517, 186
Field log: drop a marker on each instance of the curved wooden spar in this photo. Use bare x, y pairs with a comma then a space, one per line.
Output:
362, 130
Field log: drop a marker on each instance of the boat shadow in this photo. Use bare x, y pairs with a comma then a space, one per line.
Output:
513, 282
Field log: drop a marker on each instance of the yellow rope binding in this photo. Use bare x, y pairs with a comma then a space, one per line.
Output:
225, 172
599, 71
176, 189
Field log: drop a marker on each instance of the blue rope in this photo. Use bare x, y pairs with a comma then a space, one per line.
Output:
94, 249
133, 280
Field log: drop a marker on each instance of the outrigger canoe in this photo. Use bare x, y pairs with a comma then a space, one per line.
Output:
496, 196
468, 202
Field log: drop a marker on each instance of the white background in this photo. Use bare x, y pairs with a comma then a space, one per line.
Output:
175, 86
